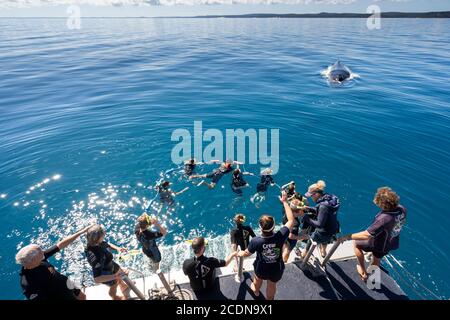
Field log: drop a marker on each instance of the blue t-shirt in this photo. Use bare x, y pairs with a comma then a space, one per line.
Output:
269, 251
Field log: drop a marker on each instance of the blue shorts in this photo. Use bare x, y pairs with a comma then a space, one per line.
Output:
292, 242
321, 237
153, 253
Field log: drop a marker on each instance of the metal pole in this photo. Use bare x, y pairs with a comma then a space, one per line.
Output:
310, 252
240, 274
330, 253
164, 282
131, 285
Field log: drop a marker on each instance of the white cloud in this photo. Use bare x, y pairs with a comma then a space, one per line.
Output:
36, 3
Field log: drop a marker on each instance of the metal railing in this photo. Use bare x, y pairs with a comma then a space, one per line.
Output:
330, 253
164, 282
309, 253
133, 287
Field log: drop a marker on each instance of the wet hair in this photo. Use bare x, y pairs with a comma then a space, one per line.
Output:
236, 171
143, 221
165, 184
239, 218
386, 199
94, 234
198, 244
267, 224
192, 161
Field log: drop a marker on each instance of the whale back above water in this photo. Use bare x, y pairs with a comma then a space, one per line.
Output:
339, 72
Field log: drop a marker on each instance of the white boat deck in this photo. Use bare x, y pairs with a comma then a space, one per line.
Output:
100, 292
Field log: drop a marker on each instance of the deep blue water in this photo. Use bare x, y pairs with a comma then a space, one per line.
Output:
97, 106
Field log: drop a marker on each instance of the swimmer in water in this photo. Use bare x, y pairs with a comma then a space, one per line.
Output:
217, 174
189, 166
261, 188
166, 195
238, 182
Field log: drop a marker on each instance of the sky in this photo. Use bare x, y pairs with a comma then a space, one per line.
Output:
158, 8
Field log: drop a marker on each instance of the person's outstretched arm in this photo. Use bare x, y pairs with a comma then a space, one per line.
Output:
180, 192
363, 235
289, 215
117, 248
244, 253
230, 258
160, 227
322, 216
66, 241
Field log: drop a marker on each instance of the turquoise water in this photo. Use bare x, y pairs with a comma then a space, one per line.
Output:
92, 111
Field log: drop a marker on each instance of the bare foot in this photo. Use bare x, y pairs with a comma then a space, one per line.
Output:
362, 273
252, 286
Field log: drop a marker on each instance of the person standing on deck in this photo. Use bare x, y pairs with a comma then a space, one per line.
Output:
269, 264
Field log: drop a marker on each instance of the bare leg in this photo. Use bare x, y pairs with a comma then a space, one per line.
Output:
376, 261
286, 252
323, 250
125, 290
113, 293
256, 285
361, 267
271, 290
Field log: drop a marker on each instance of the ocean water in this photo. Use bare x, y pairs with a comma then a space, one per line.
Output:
86, 118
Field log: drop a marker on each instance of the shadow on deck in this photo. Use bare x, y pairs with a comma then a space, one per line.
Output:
341, 282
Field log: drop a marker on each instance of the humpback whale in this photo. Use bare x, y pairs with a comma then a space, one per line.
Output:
338, 72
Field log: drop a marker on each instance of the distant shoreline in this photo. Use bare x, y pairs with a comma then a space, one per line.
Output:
437, 14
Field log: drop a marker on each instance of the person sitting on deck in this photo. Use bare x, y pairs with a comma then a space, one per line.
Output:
269, 264
201, 270
325, 225
100, 258
240, 236
147, 238
217, 174
39, 279
383, 235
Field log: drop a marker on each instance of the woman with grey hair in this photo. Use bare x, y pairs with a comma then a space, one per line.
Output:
104, 269
39, 279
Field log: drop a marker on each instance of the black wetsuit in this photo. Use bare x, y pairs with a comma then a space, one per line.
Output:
165, 195
101, 260
241, 236
45, 283
147, 239
218, 173
201, 272
237, 182
189, 168
265, 181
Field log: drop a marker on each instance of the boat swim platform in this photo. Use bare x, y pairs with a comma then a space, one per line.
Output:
339, 280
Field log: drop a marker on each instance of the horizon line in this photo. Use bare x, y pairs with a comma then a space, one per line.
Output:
387, 14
